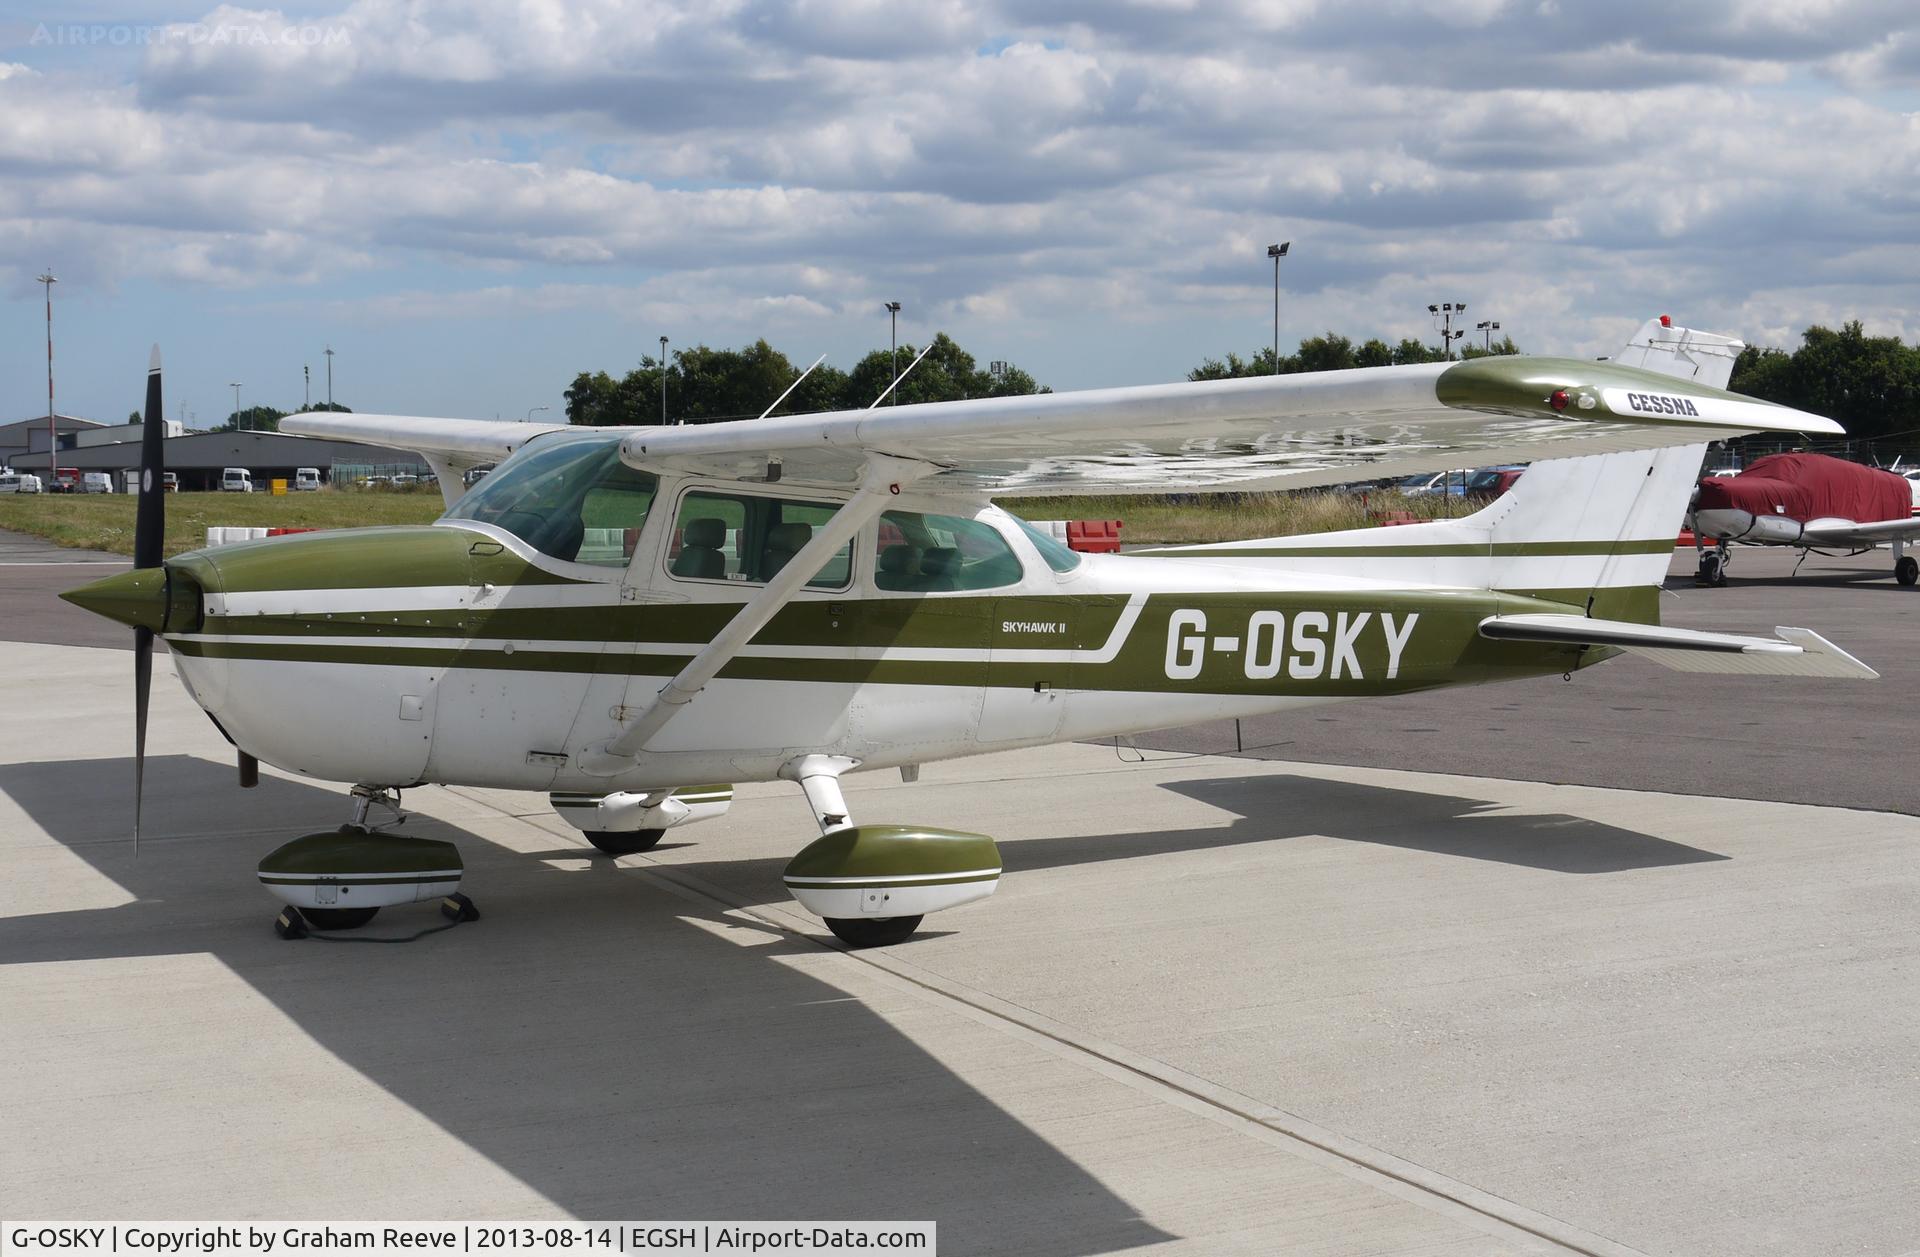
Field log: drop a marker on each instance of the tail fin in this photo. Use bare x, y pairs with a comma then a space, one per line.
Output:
1701, 357
1596, 532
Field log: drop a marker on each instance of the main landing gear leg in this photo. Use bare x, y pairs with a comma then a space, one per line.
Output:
819, 777
1713, 565
1905, 569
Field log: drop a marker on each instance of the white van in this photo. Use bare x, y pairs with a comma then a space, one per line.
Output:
306, 479
96, 482
236, 480
19, 482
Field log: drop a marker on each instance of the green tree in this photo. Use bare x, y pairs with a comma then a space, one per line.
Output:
1871, 384
1498, 349
707, 385
133, 416
253, 419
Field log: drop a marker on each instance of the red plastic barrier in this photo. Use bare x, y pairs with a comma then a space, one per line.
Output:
281, 532
1094, 536
1684, 540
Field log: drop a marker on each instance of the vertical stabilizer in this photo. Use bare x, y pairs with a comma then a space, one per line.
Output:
1701, 357
1596, 532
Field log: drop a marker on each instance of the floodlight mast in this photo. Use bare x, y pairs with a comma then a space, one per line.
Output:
1443, 323
53, 464
1276, 252
893, 317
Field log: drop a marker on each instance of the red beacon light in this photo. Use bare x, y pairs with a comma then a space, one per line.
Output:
1558, 399
1666, 320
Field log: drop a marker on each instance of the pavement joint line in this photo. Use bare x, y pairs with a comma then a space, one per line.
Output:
1402, 1179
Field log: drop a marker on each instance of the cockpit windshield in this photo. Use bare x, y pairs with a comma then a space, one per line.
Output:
570, 498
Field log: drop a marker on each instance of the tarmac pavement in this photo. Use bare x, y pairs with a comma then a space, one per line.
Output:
1218, 1005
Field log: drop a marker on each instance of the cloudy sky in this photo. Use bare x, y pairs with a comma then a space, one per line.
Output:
471, 200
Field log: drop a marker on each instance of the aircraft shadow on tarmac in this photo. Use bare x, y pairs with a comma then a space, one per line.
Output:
1283, 805
586, 1036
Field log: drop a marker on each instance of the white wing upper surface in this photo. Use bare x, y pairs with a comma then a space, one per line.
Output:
1284, 431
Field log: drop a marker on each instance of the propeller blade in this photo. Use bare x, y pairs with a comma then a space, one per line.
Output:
150, 513
149, 544
142, 683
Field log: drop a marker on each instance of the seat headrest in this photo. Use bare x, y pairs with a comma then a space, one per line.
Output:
896, 559
789, 536
708, 532
940, 561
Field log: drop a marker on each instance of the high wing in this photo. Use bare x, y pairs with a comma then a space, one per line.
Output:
1822, 533
1270, 432
1794, 652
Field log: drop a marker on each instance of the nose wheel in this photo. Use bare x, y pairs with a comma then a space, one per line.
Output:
1713, 567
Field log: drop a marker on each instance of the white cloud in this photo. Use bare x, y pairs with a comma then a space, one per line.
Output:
761, 163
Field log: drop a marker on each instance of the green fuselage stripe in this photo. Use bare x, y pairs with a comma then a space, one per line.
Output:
1498, 549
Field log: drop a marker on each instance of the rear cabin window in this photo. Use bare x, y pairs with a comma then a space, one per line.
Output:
739, 537
935, 553
571, 500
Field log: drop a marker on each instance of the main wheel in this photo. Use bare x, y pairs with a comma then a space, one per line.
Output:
1907, 570
615, 842
1710, 572
338, 918
873, 931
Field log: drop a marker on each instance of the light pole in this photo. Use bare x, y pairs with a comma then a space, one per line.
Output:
663, 381
1276, 252
1443, 323
306, 386
1488, 328
47, 279
531, 411
329, 377
893, 318
237, 420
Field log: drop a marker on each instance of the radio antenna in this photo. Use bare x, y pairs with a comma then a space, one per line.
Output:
796, 384
903, 375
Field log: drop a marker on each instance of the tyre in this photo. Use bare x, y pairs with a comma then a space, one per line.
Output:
873, 932
1907, 570
338, 918
1710, 572
616, 843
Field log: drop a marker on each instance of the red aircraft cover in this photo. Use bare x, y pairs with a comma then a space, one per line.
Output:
1807, 487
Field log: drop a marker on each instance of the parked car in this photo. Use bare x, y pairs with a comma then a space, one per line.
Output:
306, 479
236, 480
170, 483
1436, 483
1490, 482
66, 480
19, 482
96, 482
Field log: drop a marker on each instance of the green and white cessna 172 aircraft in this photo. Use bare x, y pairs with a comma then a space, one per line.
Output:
622, 617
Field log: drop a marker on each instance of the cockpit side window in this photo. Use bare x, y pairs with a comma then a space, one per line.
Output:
571, 500
936, 553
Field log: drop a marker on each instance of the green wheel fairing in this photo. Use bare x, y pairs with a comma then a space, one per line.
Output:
893, 854
353, 852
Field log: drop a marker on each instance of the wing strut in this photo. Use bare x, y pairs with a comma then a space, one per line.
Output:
883, 479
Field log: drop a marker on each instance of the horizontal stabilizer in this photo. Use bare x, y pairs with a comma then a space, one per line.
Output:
1877, 533
1794, 652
